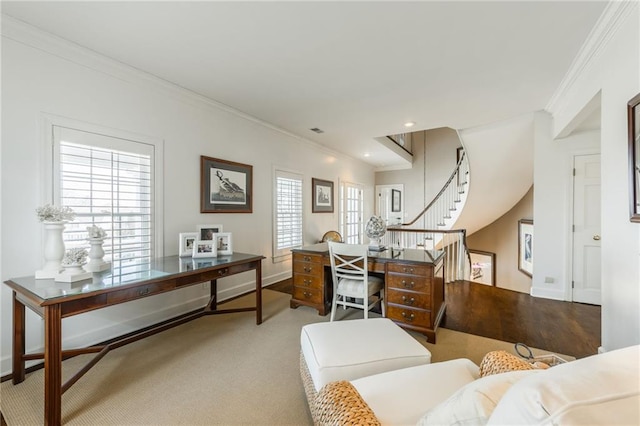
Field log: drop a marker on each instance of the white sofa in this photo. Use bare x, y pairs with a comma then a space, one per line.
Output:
598, 390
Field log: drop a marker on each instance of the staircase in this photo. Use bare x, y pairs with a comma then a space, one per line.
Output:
431, 228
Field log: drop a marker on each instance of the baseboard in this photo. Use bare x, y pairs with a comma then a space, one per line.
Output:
102, 334
601, 350
547, 293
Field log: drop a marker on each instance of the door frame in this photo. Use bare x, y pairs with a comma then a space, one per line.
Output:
568, 291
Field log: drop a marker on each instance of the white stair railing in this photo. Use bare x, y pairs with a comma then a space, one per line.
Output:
431, 228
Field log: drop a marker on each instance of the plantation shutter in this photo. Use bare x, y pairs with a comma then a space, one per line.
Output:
108, 182
288, 213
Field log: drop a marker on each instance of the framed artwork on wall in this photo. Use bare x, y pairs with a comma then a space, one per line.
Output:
225, 186
525, 246
483, 267
396, 200
322, 191
633, 120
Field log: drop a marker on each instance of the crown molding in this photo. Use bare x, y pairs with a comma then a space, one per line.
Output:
26, 34
611, 19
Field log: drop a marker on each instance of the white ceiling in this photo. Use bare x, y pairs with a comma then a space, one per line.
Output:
357, 70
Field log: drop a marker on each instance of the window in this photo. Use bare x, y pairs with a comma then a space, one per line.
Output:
108, 182
287, 214
351, 212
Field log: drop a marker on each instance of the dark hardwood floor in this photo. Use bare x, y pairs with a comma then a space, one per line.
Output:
563, 327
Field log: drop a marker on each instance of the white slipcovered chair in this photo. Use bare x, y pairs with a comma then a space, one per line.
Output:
351, 280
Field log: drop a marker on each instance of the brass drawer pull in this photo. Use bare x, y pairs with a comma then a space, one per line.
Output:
408, 284
307, 270
410, 301
408, 270
307, 259
409, 317
144, 291
306, 282
222, 272
307, 295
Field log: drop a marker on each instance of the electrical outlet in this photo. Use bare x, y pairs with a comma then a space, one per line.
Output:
549, 280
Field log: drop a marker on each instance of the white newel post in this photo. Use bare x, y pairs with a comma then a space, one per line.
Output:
53, 250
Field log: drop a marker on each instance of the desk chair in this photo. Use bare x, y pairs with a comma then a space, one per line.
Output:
351, 279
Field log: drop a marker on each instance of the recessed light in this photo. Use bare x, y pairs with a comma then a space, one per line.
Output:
366, 154
409, 124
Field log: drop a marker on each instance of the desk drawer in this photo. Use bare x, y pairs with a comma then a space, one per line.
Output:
307, 268
307, 281
310, 295
416, 317
138, 292
407, 268
312, 258
410, 299
409, 282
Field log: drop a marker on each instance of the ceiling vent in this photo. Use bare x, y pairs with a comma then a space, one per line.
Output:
318, 131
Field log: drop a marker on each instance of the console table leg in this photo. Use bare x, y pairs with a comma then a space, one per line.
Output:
213, 300
52, 365
259, 293
17, 374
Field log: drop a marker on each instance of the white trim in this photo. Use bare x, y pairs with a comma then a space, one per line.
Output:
282, 255
21, 32
48, 121
607, 25
547, 293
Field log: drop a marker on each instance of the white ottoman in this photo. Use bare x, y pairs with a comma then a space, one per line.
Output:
347, 350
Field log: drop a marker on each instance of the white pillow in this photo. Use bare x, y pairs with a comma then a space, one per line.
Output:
473, 403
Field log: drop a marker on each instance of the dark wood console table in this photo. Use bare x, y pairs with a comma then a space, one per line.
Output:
54, 301
414, 284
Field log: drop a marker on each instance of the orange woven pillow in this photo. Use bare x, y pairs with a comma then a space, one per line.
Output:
497, 362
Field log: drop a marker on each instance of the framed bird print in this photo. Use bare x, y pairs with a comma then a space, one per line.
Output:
225, 186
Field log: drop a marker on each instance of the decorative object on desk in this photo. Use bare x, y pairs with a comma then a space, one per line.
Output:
205, 232
322, 193
72, 263
223, 243
633, 122
53, 219
205, 248
525, 246
185, 243
225, 186
331, 236
375, 229
97, 235
483, 267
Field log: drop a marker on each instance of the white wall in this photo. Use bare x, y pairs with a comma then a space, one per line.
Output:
552, 195
83, 86
614, 70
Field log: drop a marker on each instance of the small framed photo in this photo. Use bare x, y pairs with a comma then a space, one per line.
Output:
322, 191
223, 243
205, 248
525, 246
396, 200
225, 186
205, 232
186, 243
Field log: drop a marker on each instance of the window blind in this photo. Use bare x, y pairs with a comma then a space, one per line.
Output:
107, 182
288, 212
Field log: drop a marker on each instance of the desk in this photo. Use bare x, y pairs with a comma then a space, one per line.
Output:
414, 284
54, 301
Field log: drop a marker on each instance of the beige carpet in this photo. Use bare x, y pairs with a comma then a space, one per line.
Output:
215, 370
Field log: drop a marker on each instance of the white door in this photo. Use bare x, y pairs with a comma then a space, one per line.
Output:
586, 231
